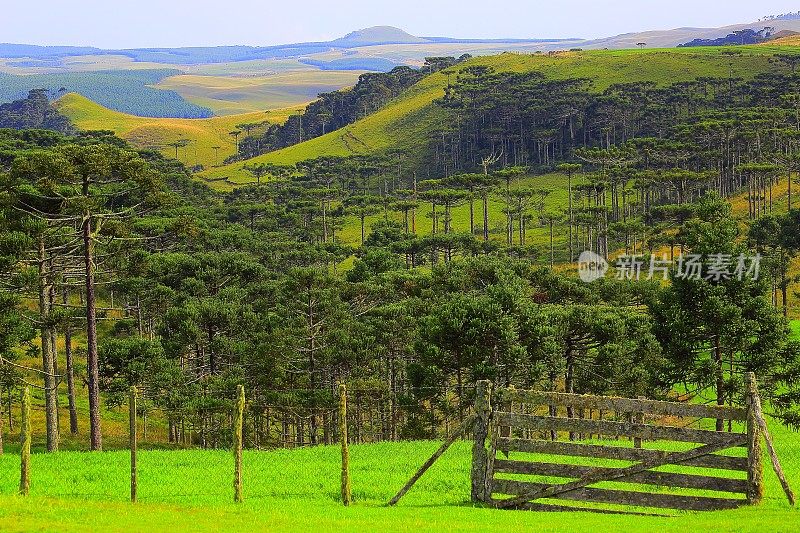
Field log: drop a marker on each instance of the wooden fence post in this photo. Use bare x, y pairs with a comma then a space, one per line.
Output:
238, 445
25, 450
480, 457
133, 440
755, 469
346, 489
638, 418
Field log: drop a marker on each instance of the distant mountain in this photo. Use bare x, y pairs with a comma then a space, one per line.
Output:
377, 35
355, 50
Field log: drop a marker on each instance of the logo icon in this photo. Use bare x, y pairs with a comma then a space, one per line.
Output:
591, 266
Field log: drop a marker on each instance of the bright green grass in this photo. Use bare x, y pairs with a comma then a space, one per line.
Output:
406, 122
298, 490
536, 234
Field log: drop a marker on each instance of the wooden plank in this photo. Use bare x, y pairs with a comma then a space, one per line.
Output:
597, 475
720, 462
663, 479
619, 497
480, 456
762, 424
545, 507
755, 469
624, 405
607, 427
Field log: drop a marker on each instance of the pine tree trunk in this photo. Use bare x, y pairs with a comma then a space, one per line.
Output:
46, 332
96, 439
486, 216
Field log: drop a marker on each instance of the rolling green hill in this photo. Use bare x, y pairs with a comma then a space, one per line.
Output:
202, 135
409, 121
230, 95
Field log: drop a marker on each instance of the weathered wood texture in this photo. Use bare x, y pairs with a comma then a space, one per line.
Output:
238, 445
610, 428
547, 507
506, 427
620, 497
755, 469
25, 440
597, 475
663, 479
347, 496
754, 405
720, 462
623, 405
480, 456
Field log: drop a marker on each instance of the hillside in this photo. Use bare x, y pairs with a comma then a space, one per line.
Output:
232, 95
408, 122
202, 135
792, 40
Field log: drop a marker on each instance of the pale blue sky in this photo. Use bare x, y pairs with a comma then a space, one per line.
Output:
163, 23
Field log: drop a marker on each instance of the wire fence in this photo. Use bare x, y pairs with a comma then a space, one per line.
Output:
192, 455
200, 456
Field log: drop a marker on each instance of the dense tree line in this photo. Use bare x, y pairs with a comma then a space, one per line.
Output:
531, 120
33, 112
738, 37
337, 109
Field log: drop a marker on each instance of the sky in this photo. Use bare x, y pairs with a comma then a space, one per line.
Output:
173, 23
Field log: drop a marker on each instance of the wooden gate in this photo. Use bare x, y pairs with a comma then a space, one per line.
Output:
536, 436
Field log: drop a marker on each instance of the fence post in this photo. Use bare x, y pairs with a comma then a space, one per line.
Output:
480, 457
237, 451
638, 418
25, 450
755, 469
347, 496
133, 439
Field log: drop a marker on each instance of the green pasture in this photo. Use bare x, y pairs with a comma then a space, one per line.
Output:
298, 490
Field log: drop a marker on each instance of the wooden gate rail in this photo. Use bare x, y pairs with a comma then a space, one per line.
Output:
717, 462
622, 405
613, 429
532, 433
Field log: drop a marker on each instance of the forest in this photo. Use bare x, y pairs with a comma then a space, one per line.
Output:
126, 91
34, 112
145, 277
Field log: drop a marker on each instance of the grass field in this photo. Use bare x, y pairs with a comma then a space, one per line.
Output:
299, 490
226, 95
407, 122
537, 235
203, 134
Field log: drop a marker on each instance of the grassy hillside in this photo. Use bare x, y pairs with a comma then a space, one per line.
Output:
202, 134
408, 122
793, 40
230, 95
